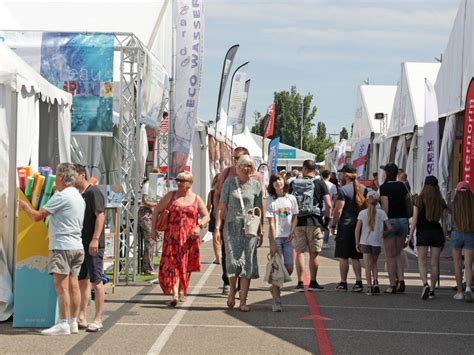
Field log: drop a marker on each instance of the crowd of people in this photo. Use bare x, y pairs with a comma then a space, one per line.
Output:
303, 209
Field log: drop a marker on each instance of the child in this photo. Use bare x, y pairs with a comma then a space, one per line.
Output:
282, 213
369, 242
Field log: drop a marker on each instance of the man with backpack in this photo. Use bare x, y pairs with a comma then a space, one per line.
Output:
310, 193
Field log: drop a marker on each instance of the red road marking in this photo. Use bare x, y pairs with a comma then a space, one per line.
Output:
322, 338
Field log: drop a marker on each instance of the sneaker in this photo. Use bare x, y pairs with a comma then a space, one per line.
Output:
341, 286
376, 289
326, 246
58, 329
425, 292
401, 287
314, 286
468, 295
459, 296
370, 291
431, 295
74, 327
358, 287
225, 289
299, 287
276, 306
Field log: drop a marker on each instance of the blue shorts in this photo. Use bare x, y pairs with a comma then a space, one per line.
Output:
399, 228
462, 240
285, 250
92, 267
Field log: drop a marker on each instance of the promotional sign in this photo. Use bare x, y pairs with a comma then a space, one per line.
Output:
430, 132
239, 127
188, 19
273, 154
79, 63
237, 95
341, 155
153, 91
269, 121
359, 156
468, 148
228, 60
287, 153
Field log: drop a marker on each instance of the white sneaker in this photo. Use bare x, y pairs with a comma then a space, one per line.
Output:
58, 329
276, 307
326, 246
459, 296
74, 327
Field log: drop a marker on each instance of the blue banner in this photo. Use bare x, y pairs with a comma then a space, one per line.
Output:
273, 154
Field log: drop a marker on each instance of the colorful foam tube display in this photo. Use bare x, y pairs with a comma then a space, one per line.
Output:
22, 178
35, 199
48, 190
29, 187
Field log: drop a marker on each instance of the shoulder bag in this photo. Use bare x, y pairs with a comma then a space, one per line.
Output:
251, 218
162, 221
408, 202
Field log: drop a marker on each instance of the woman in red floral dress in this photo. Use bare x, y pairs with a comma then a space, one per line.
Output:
180, 252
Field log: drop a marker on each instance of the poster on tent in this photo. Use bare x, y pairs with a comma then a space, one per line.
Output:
82, 64
153, 92
273, 154
430, 132
468, 146
359, 156
188, 17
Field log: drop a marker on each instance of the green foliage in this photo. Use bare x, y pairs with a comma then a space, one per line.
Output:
295, 115
343, 134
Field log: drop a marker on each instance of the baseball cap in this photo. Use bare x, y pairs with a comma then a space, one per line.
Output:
373, 194
390, 168
431, 180
463, 186
348, 168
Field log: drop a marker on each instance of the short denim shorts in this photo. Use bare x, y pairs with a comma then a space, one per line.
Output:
285, 250
462, 240
399, 228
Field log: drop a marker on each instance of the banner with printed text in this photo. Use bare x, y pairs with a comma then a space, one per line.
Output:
430, 132
341, 154
239, 127
273, 154
269, 121
468, 145
237, 95
359, 156
188, 20
228, 60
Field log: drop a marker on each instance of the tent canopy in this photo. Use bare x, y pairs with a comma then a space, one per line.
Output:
372, 99
409, 105
457, 68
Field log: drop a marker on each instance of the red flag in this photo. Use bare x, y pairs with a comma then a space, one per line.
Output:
468, 146
269, 121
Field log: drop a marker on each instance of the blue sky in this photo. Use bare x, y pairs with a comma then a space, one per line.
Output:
326, 48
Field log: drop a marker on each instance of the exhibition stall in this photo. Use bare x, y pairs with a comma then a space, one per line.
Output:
35, 121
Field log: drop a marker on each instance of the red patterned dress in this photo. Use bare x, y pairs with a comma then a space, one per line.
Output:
180, 252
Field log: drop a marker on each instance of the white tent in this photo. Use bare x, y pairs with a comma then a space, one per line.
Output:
406, 125
31, 111
372, 99
451, 88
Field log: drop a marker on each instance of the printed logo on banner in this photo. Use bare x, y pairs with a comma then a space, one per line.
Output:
468, 150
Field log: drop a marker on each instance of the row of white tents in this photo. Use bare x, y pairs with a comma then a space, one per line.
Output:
397, 136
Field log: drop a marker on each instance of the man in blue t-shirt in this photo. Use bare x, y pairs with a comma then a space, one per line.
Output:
66, 253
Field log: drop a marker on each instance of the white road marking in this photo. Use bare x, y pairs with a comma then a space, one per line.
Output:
174, 322
408, 332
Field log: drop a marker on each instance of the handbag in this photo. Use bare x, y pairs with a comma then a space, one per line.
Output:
251, 218
162, 221
276, 273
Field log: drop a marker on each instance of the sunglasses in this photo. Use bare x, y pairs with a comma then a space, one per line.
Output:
246, 166
236, 158
181, 180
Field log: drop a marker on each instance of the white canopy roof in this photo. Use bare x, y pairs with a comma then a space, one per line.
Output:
17, 74
409, 105
372, 99
457, 68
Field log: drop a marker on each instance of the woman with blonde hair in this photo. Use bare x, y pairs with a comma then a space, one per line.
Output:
350, 200
241, 251
427, 212
180, 252
462, 239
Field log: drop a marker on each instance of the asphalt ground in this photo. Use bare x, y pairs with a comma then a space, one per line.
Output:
137, 319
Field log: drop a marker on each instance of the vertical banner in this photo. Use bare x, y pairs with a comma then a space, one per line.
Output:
228, 60
341, 154
359, 156
188, 19
468, 149
430, 132
273, 154
237, 95
269, 121
240, 125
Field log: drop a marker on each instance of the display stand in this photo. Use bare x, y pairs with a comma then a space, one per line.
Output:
111, 255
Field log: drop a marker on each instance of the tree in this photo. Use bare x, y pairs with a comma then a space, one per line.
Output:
258, 126
343, 134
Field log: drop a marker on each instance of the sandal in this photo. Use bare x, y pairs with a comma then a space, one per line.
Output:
391, 289
231, 300
182, 297
94, 327
81, 324
173, 302
244, 308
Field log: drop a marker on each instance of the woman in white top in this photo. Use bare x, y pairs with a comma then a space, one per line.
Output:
369, 238
282, 213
